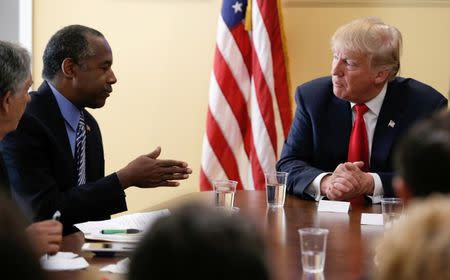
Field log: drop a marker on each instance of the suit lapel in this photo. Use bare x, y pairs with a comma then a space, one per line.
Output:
388, 123
53, 118
340, 120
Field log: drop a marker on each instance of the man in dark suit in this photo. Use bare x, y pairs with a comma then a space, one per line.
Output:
55, 157
346, 126
15, 80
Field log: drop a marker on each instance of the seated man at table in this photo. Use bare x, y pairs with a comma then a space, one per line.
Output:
55, 158
418, 247
422, 160
346, 126
197, 242
15, 80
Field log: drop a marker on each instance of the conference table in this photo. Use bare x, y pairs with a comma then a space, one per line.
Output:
350, 248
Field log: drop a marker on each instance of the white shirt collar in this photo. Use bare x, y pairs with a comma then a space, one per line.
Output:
375, 103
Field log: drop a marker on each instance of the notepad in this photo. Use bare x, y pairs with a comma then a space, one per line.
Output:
141, 221
63, 261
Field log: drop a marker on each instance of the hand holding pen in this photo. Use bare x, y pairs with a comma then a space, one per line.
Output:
46, 236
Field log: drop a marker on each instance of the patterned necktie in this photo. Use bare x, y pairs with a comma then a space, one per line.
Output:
80, 150
358, 147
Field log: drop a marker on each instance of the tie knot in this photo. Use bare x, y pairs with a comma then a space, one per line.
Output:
361, 108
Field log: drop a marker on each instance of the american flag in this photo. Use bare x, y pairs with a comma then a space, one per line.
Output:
249, 112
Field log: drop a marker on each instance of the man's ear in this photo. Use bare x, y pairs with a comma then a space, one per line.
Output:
5, 102
402, 188
67, 68
381, 76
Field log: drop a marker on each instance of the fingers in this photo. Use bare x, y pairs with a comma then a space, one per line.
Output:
169, 162
155, 154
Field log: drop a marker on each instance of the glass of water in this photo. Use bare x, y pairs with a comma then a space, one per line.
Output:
392, 209
313, 244
276, 188
224, 193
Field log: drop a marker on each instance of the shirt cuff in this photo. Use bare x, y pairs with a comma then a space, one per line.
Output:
378, 191
313, 189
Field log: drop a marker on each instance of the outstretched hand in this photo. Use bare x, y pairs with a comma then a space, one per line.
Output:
148, 171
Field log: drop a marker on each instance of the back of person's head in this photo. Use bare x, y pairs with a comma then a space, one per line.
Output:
68, 42
418, 247
17, 260
14, 67
196, 242
382, 43
422, 159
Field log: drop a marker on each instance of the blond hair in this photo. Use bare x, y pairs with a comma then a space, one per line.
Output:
381, 43
418, 247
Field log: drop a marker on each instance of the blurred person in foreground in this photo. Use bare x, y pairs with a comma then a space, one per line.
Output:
347, 125
55, 158
15, 80
18, 260
418, 247
200, 243
422, 160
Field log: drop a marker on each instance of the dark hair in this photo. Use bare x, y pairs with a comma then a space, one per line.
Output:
197, 242
69, 42
423, 156
14, 67
17, 260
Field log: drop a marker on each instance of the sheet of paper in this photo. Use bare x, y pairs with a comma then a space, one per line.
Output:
140, 221
119, 267
371, 219
63, 261
333, 206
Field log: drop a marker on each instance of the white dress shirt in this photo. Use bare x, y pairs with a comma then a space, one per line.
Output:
370, 119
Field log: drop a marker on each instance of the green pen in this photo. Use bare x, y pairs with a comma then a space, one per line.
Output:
123, 231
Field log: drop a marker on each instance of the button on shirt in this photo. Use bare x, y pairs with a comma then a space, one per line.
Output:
71, 115
370, 118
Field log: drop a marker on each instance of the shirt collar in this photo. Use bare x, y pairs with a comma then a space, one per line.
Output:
375, 103
70, 112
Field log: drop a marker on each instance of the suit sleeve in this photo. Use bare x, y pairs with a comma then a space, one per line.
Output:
441, 103
297, 153
29, 155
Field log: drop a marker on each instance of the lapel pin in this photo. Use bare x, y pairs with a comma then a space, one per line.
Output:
88, 128
391, 124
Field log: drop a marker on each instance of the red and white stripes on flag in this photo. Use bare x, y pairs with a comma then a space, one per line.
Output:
249, 112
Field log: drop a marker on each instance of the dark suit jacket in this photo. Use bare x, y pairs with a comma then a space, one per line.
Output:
42, 170
319, 135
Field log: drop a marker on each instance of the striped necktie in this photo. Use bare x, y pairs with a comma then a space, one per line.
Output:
80, 150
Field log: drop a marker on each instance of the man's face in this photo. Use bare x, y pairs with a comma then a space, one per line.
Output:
19, 100
353, 79
94, 77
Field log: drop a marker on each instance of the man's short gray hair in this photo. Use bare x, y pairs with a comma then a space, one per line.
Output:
14, 67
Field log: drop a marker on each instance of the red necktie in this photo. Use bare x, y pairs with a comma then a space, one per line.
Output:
358, 147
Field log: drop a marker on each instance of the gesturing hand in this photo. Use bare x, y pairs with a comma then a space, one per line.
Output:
148, 171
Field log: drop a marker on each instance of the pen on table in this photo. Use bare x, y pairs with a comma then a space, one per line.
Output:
56, 216
123, 231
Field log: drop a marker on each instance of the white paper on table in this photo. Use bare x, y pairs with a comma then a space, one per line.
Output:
63, 261
119, 267
371, 219
140, 221
333, 206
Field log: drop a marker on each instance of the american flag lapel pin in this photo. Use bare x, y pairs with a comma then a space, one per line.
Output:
391, 124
